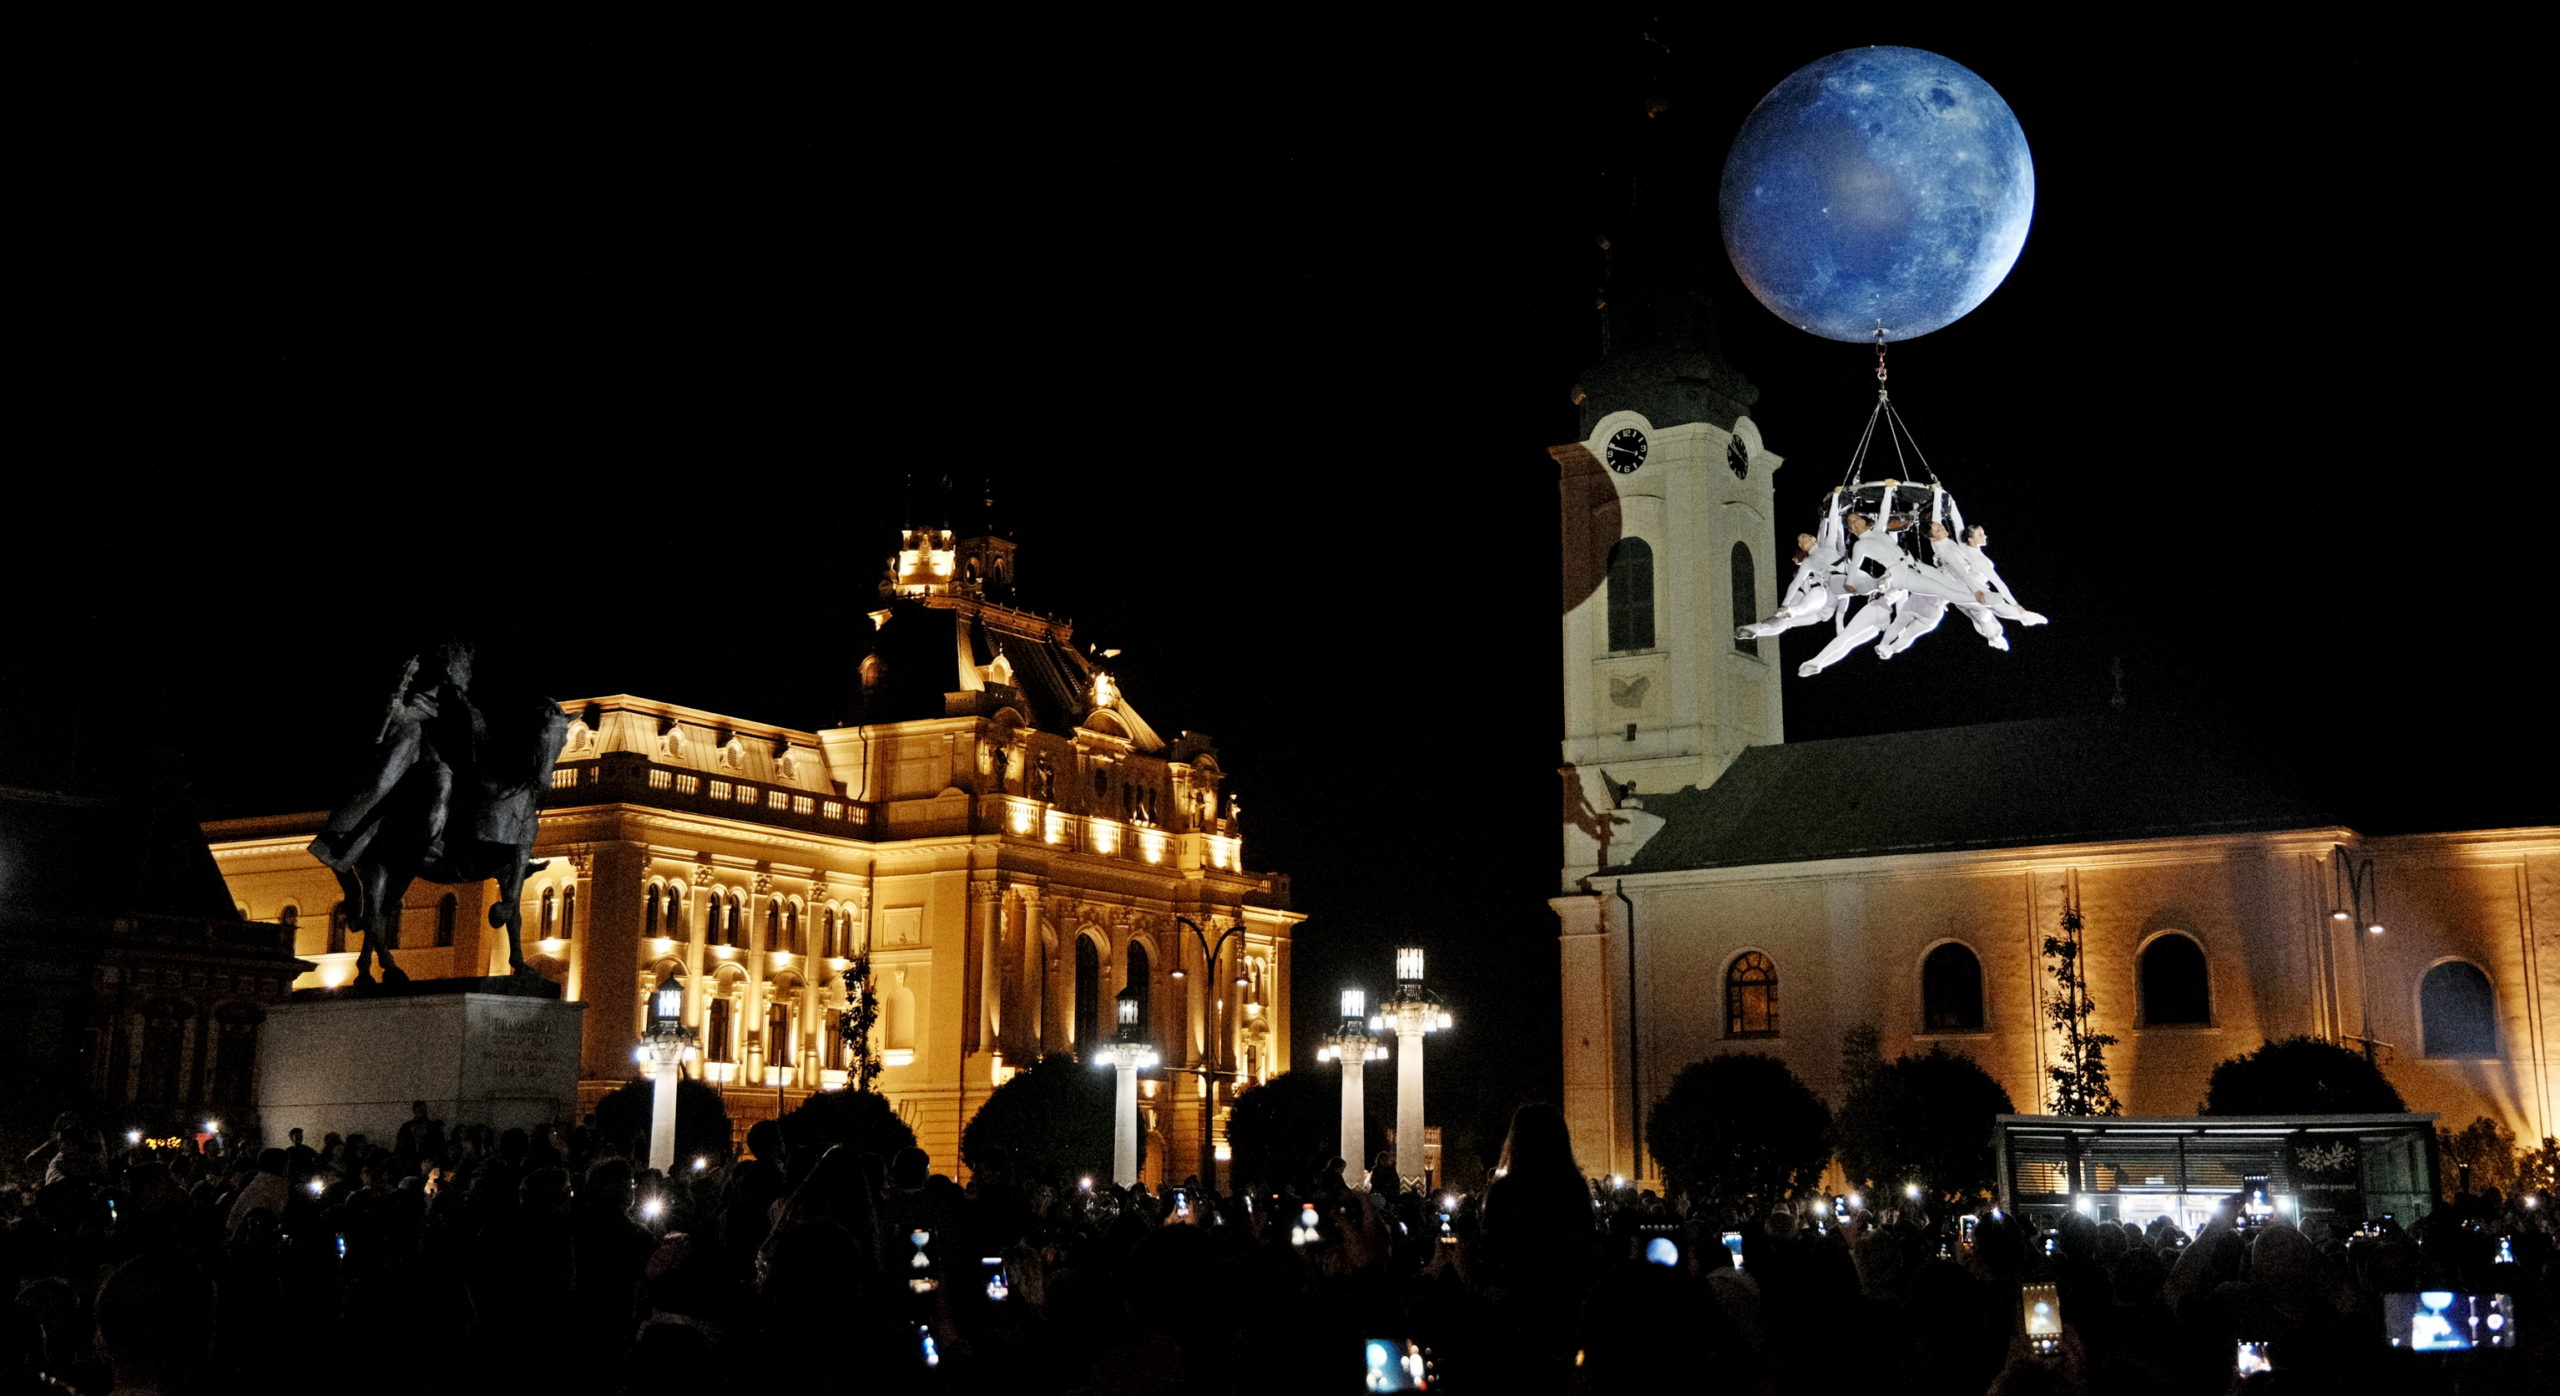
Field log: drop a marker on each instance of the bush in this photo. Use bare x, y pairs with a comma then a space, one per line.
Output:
1287, 1126
702, 1119
2300, 1076
1925, 1120
859, 1120
1051, 1122
1740, 1129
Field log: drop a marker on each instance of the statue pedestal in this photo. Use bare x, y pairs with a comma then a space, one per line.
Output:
498, 1052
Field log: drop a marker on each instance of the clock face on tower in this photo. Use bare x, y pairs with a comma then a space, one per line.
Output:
1626, 450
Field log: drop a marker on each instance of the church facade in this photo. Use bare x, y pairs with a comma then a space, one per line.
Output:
996, 829
1723, 890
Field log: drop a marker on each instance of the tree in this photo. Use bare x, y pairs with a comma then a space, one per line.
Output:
2080, 1085
702, 1119
861, 1121
1925, 1120
1740, 1129
2300, 1076
1052, 1121
861, 1014
2481, 1157
1288, 1125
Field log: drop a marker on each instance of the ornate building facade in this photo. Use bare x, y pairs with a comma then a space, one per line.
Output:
996, 828
135, 990
1723, 890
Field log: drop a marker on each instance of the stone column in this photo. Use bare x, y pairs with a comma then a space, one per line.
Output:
1124, 1116
1355, 1114
1411, 1171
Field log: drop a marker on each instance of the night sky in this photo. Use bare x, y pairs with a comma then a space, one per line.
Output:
617, 348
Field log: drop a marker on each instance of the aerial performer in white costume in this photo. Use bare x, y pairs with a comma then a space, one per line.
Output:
1875, 612
1818, 588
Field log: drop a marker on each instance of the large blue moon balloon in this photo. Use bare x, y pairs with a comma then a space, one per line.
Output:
1877, 186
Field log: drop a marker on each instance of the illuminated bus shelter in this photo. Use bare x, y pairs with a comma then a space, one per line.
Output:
2343, 1168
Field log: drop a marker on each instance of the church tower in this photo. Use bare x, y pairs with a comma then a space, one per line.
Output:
1667, 546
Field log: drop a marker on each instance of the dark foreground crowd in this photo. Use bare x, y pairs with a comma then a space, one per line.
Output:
478, 1261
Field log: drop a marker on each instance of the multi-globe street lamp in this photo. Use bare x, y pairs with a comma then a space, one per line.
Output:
1414, 1011
1353, 1043
1130, 1055
1215, 992
2359, 904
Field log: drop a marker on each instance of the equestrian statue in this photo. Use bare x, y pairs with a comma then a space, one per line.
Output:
448, 793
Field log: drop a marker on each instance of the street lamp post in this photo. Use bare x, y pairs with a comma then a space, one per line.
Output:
1130, 1056
1353, 1043
2359, 904
1415, 1011
1210, 1051
665, 1046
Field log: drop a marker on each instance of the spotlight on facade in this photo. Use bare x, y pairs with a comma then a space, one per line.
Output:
133, 1136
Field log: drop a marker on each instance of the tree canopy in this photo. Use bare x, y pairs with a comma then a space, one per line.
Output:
1740, 1128
1925, 1120
1051, 1121
1288, 1125
860, 1120
2300, 1076
702, 1119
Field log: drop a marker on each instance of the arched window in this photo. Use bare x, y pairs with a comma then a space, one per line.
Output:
569, 912
337, 937
779, 1049
791, 928
1088, 995
719, 1042
2458, 1011
290, 918
1751, 996
674, 921
649, 913
773, 924
1951, 990
550, 913
730, 935
448, 913
2174, 988
1136, 979
1631, 595
1746, 600
827, 935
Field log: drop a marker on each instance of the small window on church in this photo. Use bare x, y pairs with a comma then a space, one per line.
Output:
1746, 600
1951, 990
1631, 595
1751, 996
2174, 990
2458, 1011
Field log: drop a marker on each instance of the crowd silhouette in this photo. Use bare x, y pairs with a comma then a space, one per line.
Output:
476, 1260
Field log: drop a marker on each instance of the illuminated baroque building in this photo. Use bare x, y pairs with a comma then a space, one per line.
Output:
994, 824
1722, 890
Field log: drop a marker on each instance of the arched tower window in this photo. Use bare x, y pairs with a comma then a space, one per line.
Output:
1631, 595
1951, 990
1137, 978
448, 913
2458, 1011
1751, 996
2174, 988
1746, 600
1088, 995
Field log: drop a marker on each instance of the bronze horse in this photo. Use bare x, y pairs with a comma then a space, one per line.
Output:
487, 832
